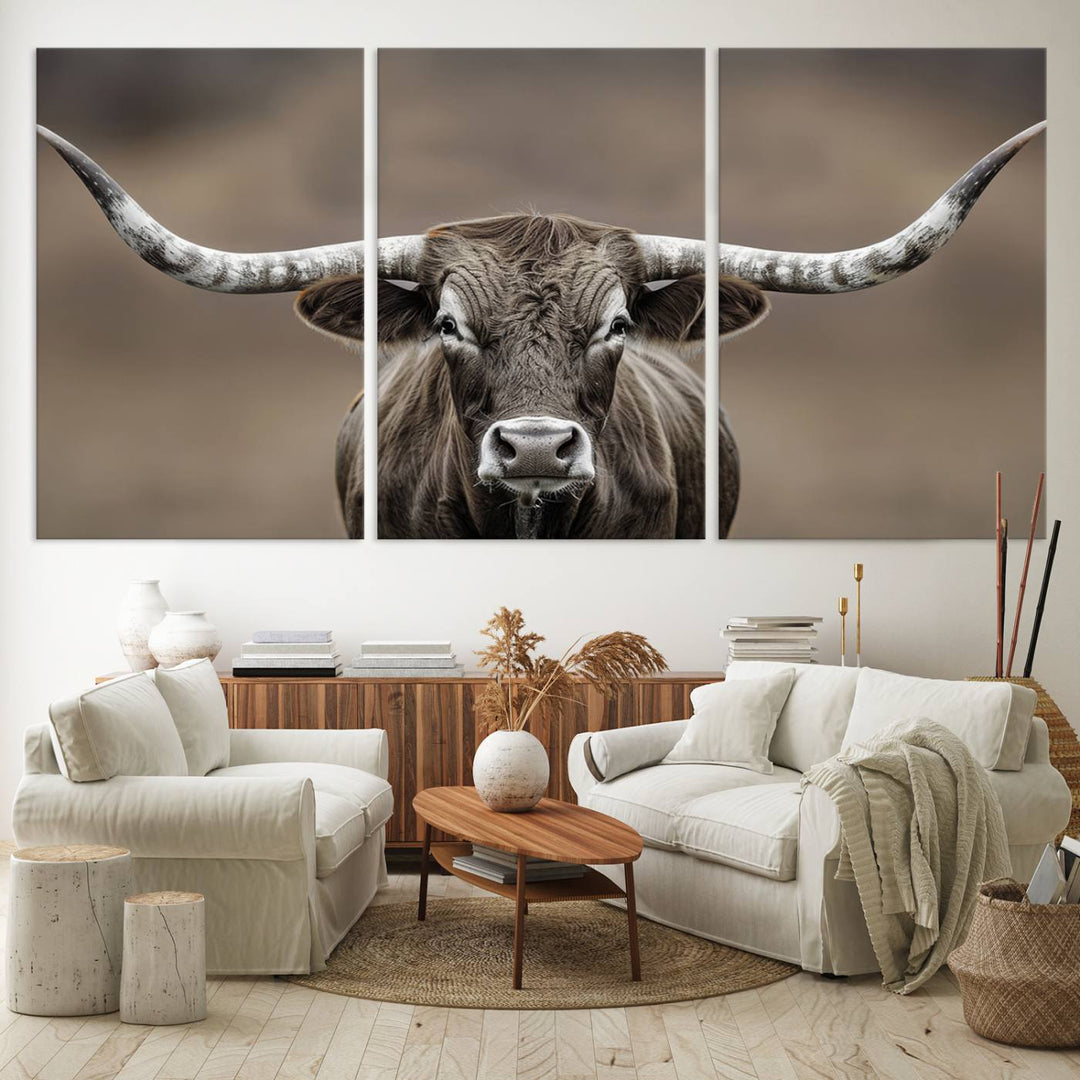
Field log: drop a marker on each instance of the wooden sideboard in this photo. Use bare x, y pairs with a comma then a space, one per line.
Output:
431, 725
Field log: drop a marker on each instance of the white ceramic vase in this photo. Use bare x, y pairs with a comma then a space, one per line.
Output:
142, 609
510, 771
184, 635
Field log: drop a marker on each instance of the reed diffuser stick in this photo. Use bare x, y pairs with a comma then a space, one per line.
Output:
841, 607
858, 614
1024, 571
999, 619
1036, 626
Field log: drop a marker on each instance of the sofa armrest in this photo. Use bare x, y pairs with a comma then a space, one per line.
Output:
581, 780
596, 756
366, 749
1038, 747
171, 817
38, 753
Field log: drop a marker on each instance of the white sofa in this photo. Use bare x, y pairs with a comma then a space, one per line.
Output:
744, 858
284, 836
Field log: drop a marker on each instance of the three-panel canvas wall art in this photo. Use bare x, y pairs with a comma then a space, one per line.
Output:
543, 282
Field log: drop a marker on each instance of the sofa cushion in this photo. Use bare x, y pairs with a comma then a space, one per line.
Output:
366, 792
654, 800
193, 693
611, 753
119, 728
733, 722
340, 828
751, 828
812, 723
992, 719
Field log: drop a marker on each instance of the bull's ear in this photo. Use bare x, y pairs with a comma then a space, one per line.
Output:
336, 307
676, 311
742, 306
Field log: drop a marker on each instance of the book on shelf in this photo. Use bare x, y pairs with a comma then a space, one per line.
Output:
289, 637
508, 858
288, 648
507, 875
454, 672
752, 621
285, 662
795, 645
405, 648
404, 660
802, 657
241, 672
787, 639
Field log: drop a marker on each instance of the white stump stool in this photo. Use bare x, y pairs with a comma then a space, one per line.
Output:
65, 929
164, 980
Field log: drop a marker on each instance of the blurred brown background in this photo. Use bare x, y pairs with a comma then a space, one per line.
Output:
885, 413
163, 410
611, 135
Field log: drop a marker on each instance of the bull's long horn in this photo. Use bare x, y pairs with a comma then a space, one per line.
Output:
671, 256
226, 271
859, 268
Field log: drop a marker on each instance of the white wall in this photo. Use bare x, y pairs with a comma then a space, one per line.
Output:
928, 606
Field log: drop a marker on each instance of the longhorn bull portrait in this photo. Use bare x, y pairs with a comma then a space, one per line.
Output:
533, 379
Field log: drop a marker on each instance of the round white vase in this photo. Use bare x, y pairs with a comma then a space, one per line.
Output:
184, 635
143, 607
510, 771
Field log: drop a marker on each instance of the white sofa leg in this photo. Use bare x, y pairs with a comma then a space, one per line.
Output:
164, 980
64, 934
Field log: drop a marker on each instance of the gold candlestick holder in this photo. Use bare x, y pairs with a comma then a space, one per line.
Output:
858, 613
842, 608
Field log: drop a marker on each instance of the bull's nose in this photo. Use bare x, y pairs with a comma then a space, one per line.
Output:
536, 448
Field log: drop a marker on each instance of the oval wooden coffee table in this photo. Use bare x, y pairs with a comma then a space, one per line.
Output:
551, 830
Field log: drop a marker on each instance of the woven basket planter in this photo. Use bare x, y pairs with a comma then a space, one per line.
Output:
1019, 969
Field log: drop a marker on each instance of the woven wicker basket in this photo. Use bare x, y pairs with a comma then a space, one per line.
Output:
1019, 969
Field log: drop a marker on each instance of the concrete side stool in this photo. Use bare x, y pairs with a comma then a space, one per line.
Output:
64, 932
164, 979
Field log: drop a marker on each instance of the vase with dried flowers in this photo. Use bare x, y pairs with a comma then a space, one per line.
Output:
510, 766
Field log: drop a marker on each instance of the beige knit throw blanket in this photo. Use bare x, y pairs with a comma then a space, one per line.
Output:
921, 829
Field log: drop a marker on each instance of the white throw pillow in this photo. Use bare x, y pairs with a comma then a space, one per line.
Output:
815, 716
121, 728
733, 722
993, 720
193, 693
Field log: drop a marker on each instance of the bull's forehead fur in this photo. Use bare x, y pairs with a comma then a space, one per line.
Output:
542, 272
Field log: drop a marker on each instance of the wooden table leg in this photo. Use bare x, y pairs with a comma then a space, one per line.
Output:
425, 858
519, 921
631, 916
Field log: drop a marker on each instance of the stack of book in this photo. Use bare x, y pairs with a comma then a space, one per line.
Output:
292, 653
501, 866
405, 660
788, 639
1057, 877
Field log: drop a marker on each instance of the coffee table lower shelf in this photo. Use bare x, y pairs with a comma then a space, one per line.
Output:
591, 886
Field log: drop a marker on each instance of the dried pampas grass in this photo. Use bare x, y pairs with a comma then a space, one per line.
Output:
525, 682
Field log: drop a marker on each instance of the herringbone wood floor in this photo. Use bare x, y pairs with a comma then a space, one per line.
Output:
259, 1029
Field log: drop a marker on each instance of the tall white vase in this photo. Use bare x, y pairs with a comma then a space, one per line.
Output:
142, 609
184, 635
510, 771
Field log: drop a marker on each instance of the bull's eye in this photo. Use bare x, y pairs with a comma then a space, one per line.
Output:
619, 325
447, 325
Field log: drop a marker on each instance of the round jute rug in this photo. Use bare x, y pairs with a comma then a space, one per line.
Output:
576, 957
